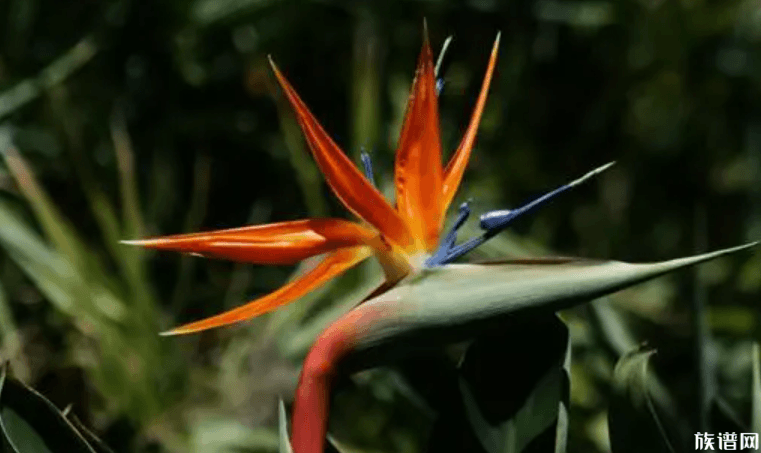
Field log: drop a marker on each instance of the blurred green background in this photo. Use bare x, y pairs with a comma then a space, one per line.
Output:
121, 119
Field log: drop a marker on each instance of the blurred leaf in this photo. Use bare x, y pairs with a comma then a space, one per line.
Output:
65, 237
755, 423
285, 441
32, 424
55, 275
206, 12
10, 342
725, 419
522, 407
95, 443
76, 281
617, 334
69, 243
734, 320
131, 213
702, 336
611, 324
366, 92
56, 228
193, 219
212, 434
29, 89
344, 448
307, 173
582, 14
633, 421
52, 274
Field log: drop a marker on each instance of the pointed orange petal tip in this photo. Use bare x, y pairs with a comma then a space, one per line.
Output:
276, 243
331, 266
342, 176
418, 172
456, 167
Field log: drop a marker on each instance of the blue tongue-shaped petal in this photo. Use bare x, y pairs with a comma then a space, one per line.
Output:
494, 222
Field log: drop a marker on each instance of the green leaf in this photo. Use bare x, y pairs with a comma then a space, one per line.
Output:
10, 341
50, 272
32, 424
503, 397
285, 442
114, 312
521, 407
60, 69
725, 419
55, 226
58, 279
307, 173
634, 423
94, 441
341, 447
614, 330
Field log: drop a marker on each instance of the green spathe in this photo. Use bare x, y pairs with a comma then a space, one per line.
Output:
457, 301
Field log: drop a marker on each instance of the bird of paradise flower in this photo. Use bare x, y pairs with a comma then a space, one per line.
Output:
423, 292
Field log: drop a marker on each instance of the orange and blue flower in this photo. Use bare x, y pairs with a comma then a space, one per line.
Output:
424, 292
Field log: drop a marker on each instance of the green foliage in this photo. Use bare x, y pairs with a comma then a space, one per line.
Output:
116, 313
32, 424
283, 438
526, 411
634, 422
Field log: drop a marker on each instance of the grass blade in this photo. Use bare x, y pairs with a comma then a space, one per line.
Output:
635, 426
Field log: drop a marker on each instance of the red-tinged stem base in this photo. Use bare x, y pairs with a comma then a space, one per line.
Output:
310, 409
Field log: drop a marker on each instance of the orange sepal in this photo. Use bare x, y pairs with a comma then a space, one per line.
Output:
456, 166
343, 177
418, 173
333, 265
275, 243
